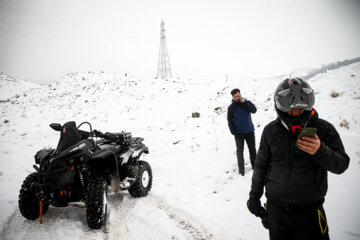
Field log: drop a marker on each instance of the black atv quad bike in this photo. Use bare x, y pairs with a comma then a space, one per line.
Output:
81, 168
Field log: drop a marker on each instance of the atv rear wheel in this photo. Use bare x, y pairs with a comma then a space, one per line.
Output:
143, 182
28, 203
96, 202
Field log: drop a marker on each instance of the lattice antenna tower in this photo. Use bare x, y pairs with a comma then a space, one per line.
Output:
164, 69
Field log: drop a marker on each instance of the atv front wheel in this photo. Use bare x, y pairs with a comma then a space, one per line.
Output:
143, 182
28, 203
96, 203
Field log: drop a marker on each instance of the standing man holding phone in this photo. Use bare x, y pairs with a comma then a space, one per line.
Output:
294, 171
241, 126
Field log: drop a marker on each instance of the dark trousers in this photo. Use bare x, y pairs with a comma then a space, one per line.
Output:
307, 223
250, 141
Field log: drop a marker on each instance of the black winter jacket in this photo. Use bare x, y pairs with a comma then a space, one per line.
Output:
292, 177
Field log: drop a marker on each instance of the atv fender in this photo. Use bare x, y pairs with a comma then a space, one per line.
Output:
133, 154
104, 159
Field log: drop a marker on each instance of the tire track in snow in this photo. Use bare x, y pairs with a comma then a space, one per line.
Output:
122, 209
70, 222
118, 210
191, 229
58, 223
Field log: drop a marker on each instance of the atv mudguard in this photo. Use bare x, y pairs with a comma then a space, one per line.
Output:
133, 154
105, 159
111, 157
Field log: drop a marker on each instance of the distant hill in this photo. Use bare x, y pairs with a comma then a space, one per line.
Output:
311, 72
10, 86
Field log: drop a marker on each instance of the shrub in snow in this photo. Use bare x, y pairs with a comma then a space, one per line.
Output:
195, 115
334, 94
344, 124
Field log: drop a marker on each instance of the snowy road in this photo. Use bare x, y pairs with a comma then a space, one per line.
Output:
128, 218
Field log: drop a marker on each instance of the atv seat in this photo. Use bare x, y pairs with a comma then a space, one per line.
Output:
69, 135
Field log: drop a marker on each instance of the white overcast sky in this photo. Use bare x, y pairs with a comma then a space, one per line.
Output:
42, 40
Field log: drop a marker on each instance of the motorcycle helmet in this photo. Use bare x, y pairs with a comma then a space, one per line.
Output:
294, 93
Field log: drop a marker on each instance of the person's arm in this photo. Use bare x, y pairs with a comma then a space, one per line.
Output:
261, 168
258, 181
230, 119
248, 105
331, 155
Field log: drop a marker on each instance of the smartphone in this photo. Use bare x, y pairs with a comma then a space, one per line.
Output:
306, 132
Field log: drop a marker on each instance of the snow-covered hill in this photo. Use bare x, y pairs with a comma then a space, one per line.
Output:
10, 86
197, 192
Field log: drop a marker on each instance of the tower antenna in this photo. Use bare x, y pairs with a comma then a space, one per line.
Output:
164, 69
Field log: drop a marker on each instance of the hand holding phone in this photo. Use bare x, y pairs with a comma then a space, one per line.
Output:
306, 132
310, 146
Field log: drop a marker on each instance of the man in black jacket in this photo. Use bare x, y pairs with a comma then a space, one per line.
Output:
241, 126
295, 175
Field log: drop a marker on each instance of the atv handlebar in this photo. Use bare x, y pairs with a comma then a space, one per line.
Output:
97, 133
123, 137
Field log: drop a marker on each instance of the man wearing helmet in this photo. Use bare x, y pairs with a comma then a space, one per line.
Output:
294, 173
241, 126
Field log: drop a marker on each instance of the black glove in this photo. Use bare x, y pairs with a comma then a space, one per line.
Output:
254, 206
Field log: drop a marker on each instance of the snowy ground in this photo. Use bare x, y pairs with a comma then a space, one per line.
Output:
197, 192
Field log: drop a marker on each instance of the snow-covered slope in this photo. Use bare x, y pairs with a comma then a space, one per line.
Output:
10, 86
197, 192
